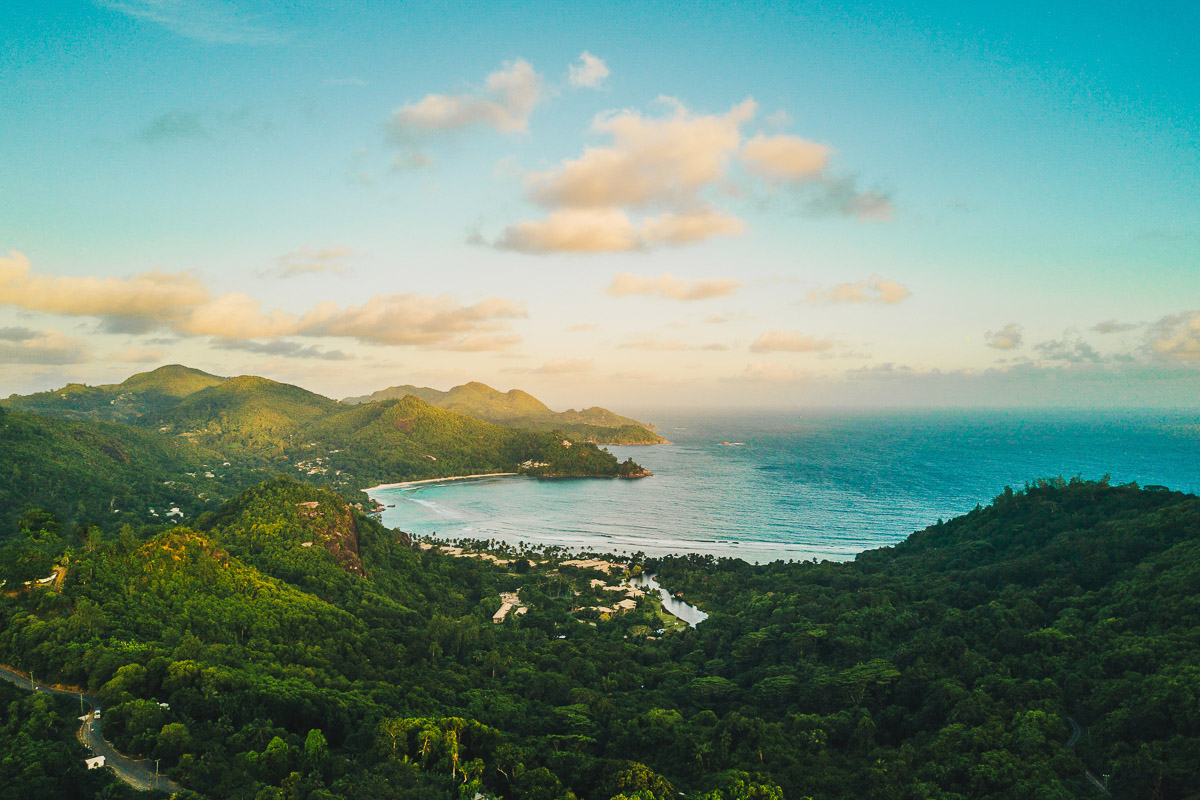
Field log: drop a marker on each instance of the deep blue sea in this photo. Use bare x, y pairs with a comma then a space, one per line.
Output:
816, 484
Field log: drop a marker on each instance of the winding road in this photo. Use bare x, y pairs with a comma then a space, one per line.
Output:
137, 773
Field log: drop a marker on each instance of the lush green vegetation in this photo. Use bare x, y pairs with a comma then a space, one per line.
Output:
144, 395
376, 442
184, 441
39, 757
105, 472
946, 667
517, 409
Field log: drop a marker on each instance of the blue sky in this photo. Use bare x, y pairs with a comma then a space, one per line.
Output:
616, 203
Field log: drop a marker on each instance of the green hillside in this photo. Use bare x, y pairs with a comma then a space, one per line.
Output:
253, 412
378, 441
200, 447
519, 409
246, 413
955, 665
102, 471
141, 395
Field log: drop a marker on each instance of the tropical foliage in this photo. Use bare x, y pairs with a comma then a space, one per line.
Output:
951, 666
183, 441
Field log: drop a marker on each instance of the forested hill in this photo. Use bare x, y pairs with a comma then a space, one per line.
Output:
178, 396
141, 395
955, 665
184, 441
959, 657
519, 409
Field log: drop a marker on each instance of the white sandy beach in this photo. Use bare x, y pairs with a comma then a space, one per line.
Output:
404, 484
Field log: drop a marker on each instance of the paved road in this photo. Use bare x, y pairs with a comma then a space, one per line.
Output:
137, 773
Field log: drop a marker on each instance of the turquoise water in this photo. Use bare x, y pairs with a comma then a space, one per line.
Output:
821, 485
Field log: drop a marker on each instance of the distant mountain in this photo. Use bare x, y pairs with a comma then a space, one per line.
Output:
177, 437
140, 395
518, 409
380, 440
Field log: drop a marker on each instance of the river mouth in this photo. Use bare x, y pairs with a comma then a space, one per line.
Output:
672, 605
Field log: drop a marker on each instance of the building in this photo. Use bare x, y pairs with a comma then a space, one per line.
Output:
95, 763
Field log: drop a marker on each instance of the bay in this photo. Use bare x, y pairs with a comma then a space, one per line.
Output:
815, 484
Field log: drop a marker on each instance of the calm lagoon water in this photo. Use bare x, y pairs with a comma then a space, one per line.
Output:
823, 485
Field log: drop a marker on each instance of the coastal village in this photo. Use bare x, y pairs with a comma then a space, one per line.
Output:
596, 598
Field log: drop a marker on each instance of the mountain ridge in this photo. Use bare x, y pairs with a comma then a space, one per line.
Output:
519, 409
158, 450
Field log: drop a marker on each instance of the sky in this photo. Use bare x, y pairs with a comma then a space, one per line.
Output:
625, 204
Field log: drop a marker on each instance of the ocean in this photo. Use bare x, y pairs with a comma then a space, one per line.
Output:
802, 485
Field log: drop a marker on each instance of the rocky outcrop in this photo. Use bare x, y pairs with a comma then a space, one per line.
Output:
334, 527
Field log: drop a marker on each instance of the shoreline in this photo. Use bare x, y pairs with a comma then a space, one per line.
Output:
447, 479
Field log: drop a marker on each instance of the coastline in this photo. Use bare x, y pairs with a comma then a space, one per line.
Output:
447, 479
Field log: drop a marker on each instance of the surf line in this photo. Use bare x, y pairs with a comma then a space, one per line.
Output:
405, 484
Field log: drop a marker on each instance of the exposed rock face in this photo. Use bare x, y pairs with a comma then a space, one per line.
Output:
336, 530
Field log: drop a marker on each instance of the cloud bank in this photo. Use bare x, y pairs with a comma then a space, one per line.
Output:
653, 183
20, 345
182, 304
653, 164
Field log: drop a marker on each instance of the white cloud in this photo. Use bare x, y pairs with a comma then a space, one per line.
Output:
652, 160
874, 289
669, 287
280, 348
589, 72
610, 230
151, 295
411, 319
181, 303
785, 157
689, 227
573, 230
508, 98
1007, 338
802, 165
20, 345
1177, 337
236, 316
793, 342
664, 163
655, 182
